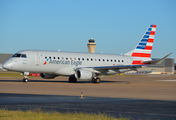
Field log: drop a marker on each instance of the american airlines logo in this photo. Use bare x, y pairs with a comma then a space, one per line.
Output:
63, 62
46, 61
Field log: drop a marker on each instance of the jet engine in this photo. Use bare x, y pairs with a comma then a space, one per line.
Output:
84, 74
48, 75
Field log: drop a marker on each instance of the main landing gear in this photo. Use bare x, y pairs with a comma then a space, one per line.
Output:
72, 79
96, 80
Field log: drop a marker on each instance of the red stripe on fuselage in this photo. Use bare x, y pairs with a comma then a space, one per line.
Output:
138, 62
141, 54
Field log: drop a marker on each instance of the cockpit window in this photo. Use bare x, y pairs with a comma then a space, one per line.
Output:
20, 55
16, 55
23, 56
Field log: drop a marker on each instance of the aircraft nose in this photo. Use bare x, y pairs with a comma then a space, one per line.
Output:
8, 65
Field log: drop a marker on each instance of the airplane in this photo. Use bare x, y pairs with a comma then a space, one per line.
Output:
83, 66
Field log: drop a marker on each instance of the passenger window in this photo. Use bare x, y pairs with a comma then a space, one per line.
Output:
49, 57
87, 59
23, 56
66, 58
107, 60
91, 59
82, 58
78, 58
122, 61
99, 60
74, 58
103, 60
62, 58
45, 57
53, 57
58, 58
111, 60
118, 60
95, 59
114, 60
70, 58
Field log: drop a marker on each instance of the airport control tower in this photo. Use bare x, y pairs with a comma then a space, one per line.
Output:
91, 45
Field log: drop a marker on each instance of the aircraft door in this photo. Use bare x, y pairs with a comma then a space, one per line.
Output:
37, 58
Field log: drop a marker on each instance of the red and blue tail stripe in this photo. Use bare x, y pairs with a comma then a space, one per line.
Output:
146, 42
143, 50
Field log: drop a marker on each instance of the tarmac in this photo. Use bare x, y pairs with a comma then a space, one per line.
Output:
136, 97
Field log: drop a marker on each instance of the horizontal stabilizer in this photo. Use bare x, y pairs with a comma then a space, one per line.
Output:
156, 62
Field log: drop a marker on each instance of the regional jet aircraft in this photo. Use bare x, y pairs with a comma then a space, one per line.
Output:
83, 66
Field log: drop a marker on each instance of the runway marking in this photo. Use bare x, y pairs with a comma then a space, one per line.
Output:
168, 80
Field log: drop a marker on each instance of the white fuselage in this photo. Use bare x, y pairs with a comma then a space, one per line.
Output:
62, 63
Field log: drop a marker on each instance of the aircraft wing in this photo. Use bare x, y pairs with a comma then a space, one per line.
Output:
132, 67
118, 67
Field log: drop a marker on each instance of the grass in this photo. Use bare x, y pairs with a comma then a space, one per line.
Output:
10, 74
40, 115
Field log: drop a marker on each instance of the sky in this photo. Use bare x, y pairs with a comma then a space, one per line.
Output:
67, 25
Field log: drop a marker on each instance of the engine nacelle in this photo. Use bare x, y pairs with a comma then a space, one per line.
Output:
83, 74
48, 76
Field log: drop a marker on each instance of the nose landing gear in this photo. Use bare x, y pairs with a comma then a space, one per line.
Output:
25, 79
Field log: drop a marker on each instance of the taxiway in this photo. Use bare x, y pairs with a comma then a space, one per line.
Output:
138, 97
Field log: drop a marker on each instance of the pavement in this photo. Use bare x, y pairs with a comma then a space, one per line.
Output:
136, 97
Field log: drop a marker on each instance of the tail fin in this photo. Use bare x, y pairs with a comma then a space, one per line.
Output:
143, 50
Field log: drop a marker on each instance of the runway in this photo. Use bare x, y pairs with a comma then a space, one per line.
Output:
145, 97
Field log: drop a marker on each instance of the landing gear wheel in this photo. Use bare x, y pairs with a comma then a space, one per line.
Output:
25, 80
72, 79
96, 80
93, 80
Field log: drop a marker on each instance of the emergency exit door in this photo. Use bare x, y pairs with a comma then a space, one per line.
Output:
37, 58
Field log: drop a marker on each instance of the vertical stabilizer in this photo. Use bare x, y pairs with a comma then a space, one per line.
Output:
143, 50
